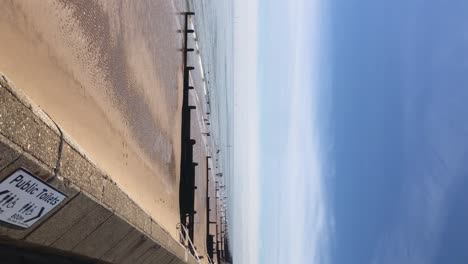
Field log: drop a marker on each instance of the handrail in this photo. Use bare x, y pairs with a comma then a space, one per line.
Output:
185, 236
210, 261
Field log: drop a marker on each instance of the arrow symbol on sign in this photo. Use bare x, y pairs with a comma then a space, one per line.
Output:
37, 216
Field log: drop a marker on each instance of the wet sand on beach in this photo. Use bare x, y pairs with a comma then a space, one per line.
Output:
109, 73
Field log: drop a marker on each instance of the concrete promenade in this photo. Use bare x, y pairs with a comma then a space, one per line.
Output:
98, 220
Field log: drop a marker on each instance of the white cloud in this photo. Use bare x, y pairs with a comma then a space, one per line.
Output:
304, 221
246, 189
306, 218
302, 227
304, 209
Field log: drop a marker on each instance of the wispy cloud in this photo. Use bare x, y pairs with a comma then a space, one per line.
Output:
435, 163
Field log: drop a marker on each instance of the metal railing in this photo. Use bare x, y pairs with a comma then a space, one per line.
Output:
210, 261
184, 238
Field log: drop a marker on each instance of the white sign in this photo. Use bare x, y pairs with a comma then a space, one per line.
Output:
24, 199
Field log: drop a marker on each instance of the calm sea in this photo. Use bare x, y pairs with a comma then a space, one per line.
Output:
214, 28
213, 25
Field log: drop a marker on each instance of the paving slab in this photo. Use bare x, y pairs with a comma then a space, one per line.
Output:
150, 252
103, 238
160, 235
163, 257
178, 261
62, 221
178, 250
137, 251
124, 246
116, 199
82, 228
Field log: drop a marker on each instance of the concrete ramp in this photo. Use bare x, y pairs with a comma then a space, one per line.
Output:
97, 220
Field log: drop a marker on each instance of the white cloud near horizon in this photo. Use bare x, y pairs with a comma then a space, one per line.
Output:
245, 182
301, 230
303, 209
299, 223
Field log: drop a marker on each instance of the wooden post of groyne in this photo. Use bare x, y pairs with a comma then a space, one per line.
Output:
187, 166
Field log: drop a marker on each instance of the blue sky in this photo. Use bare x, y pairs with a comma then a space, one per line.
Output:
358, 129
399, 130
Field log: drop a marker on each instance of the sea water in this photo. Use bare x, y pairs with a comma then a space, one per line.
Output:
214, 32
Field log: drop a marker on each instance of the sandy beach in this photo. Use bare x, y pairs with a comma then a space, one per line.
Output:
109, 74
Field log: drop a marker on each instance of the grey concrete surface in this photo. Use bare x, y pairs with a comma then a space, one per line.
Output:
123, 247
155, 256
22, 254
97, 220
103, 238
114, 198
159, 234
149, 253
164, 257
55, 227
81, 172
8, 153
139, 249
25, 129
80, 231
